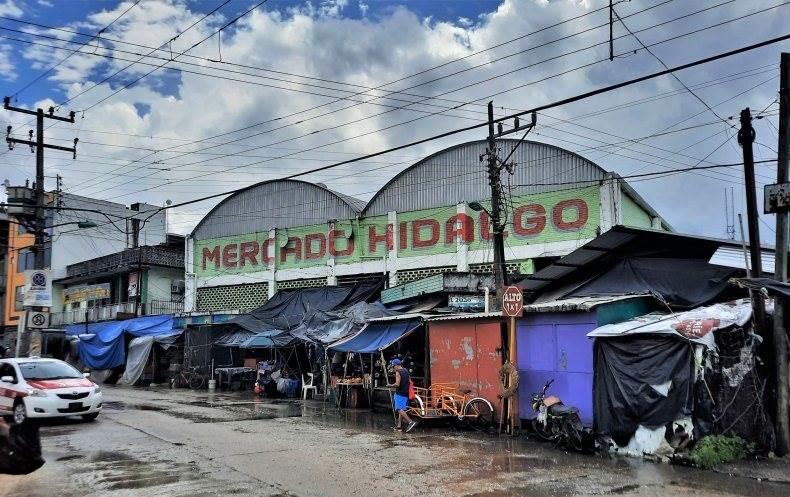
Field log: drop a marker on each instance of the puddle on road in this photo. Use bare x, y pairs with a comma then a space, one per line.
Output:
117, 471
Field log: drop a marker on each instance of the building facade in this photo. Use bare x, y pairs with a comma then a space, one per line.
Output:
78, 229
286, 234
144, 280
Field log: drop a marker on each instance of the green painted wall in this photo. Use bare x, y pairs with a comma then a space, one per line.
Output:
633, 215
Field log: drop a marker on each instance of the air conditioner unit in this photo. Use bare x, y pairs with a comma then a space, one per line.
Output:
177, 287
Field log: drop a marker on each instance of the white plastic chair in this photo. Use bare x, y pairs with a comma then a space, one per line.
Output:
308, 386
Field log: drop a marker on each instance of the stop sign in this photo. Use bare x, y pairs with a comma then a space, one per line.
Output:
512, 302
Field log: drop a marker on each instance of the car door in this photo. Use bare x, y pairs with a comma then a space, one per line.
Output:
8, 391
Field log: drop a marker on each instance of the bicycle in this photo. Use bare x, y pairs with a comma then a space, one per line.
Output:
192, 378
442, 400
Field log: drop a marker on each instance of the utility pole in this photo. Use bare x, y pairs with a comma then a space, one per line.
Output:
23, 341
779, 333
746, 137
495, 180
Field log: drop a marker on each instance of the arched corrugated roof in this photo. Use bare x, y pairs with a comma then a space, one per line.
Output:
456, 175
275, 204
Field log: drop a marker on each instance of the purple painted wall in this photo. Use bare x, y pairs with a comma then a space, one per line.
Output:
555, 345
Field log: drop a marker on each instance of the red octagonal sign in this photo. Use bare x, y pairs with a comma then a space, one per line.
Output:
512, 302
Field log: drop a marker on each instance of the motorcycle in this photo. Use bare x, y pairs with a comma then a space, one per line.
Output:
557, 422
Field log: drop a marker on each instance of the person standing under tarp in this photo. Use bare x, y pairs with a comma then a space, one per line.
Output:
401, 396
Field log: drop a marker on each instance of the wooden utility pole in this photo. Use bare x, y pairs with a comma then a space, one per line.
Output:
23, 341
746, 137
779, 332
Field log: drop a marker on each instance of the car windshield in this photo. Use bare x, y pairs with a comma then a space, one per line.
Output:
47, 370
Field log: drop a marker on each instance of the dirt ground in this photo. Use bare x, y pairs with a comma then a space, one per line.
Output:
181, 443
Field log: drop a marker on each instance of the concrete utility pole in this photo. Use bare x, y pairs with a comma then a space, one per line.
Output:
495, 180
23, 342
779, 332
746, 137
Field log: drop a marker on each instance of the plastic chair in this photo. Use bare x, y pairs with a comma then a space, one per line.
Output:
308, 386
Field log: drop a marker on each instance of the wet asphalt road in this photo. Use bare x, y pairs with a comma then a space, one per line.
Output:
155, 443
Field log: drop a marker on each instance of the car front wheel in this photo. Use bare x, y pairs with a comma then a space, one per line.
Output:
20, 413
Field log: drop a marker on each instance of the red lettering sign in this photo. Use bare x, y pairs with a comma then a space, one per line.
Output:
416, 233
211, 255
375, 239
582, 214
249, 252
265, 257
333, 251
230, 256
294, 246
461, 226
309, 253
402, 227
535, 222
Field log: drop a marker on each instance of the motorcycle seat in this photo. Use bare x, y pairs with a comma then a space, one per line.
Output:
562, 409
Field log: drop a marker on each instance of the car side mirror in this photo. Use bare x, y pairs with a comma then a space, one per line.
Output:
86, 375
7, 379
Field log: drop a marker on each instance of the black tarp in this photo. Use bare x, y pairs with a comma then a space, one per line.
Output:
641, 381
286, 309
680, 282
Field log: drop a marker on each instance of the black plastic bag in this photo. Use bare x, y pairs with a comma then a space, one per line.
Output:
20, 450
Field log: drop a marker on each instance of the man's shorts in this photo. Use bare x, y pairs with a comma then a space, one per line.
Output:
401, 402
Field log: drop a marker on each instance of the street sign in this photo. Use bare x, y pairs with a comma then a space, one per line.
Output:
776, 198
512, 302
38, 288
37, 320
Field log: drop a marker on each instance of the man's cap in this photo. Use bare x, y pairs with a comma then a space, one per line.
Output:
395, 362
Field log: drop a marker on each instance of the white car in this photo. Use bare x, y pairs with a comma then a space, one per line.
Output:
46, 388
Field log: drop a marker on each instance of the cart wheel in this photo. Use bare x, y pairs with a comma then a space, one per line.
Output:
420, 405
196, 381
479, 412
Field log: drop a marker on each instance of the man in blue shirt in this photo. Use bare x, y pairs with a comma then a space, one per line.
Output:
401, 396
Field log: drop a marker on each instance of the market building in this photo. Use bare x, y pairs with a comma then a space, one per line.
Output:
286, 234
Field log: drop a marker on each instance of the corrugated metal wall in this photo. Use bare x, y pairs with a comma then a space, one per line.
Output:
276, 204
456, 175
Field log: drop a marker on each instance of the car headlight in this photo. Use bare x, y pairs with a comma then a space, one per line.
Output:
97, 389
35, 392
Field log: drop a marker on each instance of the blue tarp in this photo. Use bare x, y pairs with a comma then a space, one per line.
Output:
102, 345
377, 335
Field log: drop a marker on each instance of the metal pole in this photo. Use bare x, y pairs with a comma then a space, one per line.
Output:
513, 400
495, 181
746, 138
779, 333
611, 31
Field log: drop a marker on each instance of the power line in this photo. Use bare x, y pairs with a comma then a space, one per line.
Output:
565, 101
375, 115
660, 73
90, 39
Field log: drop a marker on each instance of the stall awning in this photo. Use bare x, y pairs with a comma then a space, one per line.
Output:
377, 335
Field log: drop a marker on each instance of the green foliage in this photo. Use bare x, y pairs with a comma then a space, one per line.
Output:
718, 449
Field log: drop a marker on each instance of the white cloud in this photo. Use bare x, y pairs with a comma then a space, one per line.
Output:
316, 39
45, 3
363, 8
7, 70
10, 9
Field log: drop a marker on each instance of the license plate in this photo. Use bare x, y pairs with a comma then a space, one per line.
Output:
74, 406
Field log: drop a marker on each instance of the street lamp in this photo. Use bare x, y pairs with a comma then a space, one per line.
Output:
478, 207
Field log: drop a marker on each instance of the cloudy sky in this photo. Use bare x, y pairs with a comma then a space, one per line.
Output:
173, 104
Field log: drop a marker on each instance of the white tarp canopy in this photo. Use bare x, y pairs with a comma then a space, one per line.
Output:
695, 325
138, 352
